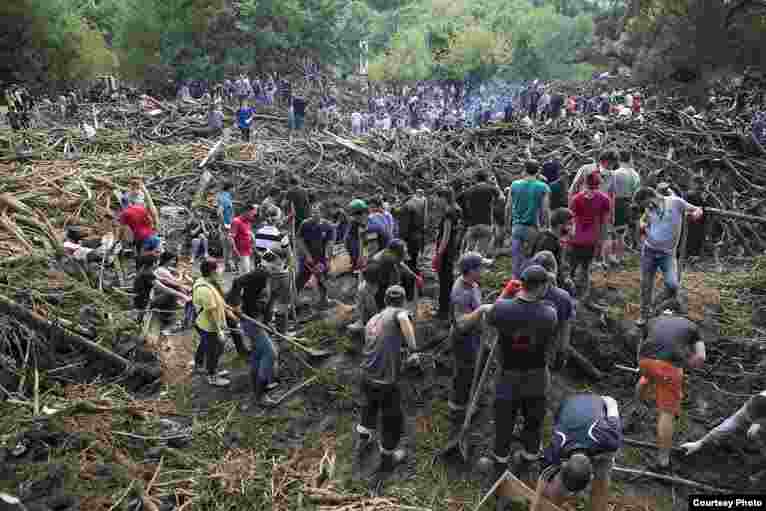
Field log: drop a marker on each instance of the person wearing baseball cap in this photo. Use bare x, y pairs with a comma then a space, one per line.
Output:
465, 302
527, 327
384, 335
591, 209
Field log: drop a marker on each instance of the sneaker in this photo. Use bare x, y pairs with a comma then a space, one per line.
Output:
217, 381
272, 385
640, 322
223, 373
356, 326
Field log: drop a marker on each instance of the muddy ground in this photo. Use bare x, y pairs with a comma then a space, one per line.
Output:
190, 446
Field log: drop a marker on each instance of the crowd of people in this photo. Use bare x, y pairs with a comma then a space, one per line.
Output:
556, 228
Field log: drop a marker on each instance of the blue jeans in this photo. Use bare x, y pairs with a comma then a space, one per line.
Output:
519, 235
263, 354
651, 261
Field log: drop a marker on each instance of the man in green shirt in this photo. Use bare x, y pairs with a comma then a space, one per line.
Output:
529, 207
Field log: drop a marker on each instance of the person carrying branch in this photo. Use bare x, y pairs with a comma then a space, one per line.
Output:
587, 433
385, 333
670, 340
662, 225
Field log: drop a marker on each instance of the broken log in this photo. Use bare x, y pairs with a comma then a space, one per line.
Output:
735, 216
670, 479
584, 364
42, 324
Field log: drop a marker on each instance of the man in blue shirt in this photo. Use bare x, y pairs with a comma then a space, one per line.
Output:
245, 116
587, 433
225, 205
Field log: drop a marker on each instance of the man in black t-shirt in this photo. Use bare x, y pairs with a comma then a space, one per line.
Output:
478, 204
527, 328
561, 226
667, 348
447, 245
296, 202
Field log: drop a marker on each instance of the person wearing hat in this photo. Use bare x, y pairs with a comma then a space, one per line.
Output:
529, 208
560, 298
591, 209
241, 235
356, 237
527, 327
672, 341
467, 312
662, 224
384, 335
587, 432
312, 238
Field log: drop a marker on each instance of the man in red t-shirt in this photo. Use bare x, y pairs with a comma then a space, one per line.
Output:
591, 209
138, 219
241, 234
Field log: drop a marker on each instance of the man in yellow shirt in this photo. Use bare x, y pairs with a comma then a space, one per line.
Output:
210, 323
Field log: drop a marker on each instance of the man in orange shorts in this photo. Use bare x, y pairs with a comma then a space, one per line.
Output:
668, 346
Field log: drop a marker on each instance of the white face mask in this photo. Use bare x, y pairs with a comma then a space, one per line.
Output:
219, 270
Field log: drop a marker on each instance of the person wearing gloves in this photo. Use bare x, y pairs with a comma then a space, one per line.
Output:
751, 417
587, 433
527, 327
210, 322
465, 300
385, 333
312, 238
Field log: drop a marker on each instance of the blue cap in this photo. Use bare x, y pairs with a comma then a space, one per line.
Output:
534, 273
152, 243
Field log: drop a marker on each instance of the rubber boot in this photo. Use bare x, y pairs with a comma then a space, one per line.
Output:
259, 388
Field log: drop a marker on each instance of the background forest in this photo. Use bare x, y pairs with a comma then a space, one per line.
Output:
60, 41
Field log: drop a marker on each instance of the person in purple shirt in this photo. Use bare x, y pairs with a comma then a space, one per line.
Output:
587, 433
312, 238
759, 128
380, 227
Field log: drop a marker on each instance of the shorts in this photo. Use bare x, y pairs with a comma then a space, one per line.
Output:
667, 380
622, 212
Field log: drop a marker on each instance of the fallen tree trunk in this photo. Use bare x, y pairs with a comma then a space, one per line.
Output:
735, 216
584, 364
40, 323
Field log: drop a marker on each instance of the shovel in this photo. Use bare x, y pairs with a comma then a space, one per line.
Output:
290, 340
476, 387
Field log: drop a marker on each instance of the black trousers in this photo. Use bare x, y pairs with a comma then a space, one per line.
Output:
385, 400
236, 336
525, 392
414, 248
209, 351
446, 280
